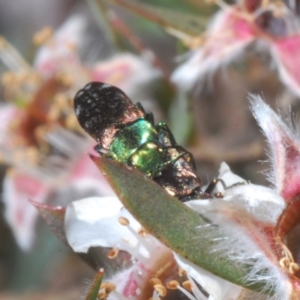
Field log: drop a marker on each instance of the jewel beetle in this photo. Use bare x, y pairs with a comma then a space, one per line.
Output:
126, 133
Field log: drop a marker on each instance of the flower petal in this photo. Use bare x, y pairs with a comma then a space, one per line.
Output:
60, 54
18, 188
285, 52
217, 287
227, 37
285, 149
86, 176
228, 177
263, 203
126, 71
95, 222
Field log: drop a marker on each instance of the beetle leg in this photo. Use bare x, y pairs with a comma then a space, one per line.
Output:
210, 188
165, 136
99, 149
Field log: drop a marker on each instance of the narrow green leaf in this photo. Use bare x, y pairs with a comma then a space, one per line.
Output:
187, 23
93, 291
174, 224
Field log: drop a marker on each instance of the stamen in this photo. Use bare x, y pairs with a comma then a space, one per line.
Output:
11, 57
196, 291
108, 287
65, 78
54, 113
155, 296
186, 293
293, 268
265, 3
113, 253
102, 295
160, 289
105, 290
173, 285
187, 285
32, 155
42, 36
181, 272
61, 100
142, 242
154, 281
142, 232
163, 269
123, 221
287, 262
72, 122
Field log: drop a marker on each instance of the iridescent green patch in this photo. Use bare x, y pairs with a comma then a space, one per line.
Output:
148, 159
130, 138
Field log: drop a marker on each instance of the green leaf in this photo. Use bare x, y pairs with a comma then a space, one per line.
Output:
174, 224
186, 23
93, 291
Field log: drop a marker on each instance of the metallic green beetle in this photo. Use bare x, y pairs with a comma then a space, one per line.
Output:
126, 133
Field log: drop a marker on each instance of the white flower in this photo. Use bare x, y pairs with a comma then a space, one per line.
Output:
40, 138
96, 222
270, 27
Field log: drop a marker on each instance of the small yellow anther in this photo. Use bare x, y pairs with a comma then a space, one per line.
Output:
173, 285
293, 268
113, 253
42, 36
154, 281
187, 285
160, 289
123, 221
142, 232
181, 272
108, 287
65, 78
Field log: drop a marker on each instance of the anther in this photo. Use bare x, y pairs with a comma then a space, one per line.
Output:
187, 285
173, 285
113, 253
142, 232
181, 272
160, 289
293, 268
42, 36
108, 287
154, 280
102, 295
65, 79
123, 221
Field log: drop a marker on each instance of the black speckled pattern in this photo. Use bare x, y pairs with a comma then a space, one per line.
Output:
102, 109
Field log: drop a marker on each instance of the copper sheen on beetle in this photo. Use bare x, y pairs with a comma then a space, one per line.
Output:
126, 133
